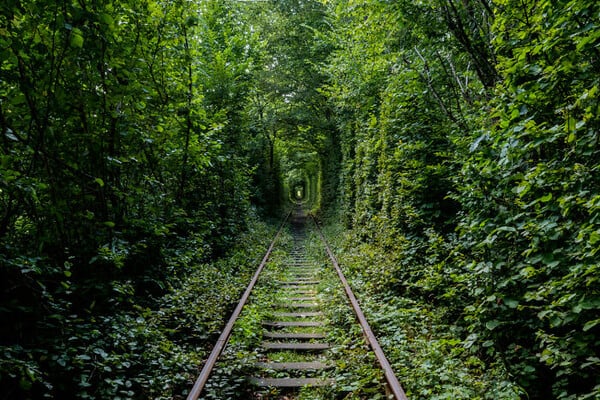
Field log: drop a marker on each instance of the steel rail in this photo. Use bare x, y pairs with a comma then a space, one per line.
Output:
392, 380
224, 337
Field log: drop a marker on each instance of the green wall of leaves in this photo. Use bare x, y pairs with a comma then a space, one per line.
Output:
469, 136
126, 142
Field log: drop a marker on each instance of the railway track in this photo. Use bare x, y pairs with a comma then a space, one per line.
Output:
283, 339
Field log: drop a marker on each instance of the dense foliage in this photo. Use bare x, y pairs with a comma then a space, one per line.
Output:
126, 159
456, 141
470, 145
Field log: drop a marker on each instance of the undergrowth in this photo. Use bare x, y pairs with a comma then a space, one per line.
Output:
154, 347
430, 356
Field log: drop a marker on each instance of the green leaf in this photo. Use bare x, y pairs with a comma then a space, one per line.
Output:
516, 113
590, 324
493, 324
9, 134
76, 38
570, 124
546, 198
511, 303
99, 181
506, 229
594, 237
107, 19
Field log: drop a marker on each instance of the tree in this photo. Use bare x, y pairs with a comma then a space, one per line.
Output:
122, 134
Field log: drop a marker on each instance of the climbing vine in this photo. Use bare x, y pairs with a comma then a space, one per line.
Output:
469, 145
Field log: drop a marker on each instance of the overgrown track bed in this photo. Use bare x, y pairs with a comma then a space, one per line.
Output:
298, 331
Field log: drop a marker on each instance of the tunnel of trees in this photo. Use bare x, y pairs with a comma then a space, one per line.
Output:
453, 144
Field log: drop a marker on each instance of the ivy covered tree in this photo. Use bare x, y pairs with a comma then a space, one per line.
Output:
469, 144
529, 194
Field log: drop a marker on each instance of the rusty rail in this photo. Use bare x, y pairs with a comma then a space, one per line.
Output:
224, 337
392, 381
